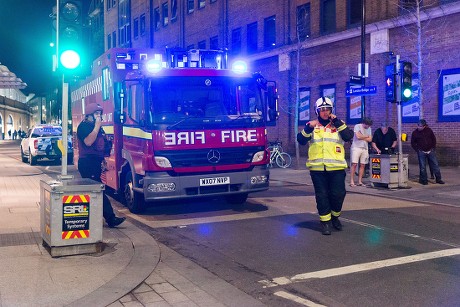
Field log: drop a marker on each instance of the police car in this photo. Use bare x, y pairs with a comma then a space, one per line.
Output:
44, 141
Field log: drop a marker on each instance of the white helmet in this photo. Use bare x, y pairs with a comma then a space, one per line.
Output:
323, 102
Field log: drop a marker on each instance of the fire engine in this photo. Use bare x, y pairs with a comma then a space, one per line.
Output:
183, 124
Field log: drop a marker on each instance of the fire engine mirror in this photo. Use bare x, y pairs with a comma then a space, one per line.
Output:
272, 115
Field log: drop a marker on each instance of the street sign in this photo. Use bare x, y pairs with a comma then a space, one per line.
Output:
361, 91
356, 79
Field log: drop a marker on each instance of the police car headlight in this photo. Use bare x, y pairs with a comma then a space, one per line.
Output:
162, 162
258, 156
162, 187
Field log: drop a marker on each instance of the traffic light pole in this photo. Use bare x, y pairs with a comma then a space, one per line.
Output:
65, 129
399, 107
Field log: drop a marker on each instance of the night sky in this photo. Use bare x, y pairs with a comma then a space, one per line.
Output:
25, 35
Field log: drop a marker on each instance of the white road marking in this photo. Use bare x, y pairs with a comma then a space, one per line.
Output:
278, 281
297, 299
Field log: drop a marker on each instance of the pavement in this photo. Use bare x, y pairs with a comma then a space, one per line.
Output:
133, 269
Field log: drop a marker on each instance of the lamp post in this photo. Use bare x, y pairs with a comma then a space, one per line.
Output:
363, 54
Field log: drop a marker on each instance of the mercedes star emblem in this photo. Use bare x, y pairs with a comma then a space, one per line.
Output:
213, 156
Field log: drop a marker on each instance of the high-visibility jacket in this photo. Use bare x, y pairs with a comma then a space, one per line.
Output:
326, 151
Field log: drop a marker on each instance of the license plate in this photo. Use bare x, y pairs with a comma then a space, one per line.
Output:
214, 181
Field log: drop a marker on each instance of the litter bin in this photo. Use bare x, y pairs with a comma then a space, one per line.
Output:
71, 216
385, 171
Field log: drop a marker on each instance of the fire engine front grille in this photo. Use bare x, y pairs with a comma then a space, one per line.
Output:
206, 157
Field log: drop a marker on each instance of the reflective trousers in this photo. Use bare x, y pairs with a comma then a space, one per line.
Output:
329, 192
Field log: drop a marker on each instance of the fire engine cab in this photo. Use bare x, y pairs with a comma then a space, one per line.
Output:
182, 123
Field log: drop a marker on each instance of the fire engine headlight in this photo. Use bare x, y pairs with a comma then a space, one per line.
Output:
258, 179
162, 162
258, 156
162, 187
239, 67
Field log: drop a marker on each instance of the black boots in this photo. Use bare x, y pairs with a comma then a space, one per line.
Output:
336, 223
116, 221
327, 226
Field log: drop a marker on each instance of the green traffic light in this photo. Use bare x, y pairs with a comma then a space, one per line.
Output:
70, 59
407, 93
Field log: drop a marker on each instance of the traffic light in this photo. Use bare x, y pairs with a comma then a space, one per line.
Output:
70, 41
390, 83
406, 81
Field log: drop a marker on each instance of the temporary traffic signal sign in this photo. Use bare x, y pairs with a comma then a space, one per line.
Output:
70, 41
390, 83
406, 81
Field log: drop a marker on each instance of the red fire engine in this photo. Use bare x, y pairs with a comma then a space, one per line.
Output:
182, 124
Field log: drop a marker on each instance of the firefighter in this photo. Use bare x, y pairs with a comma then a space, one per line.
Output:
326, 162
91, 147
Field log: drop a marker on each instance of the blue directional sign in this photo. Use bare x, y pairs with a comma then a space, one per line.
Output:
361, 91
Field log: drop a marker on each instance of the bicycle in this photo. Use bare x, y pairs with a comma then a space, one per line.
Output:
282, 159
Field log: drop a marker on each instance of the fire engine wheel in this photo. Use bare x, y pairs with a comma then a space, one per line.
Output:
237, 199
133, 200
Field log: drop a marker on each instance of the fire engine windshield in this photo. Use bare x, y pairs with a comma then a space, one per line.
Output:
187, 100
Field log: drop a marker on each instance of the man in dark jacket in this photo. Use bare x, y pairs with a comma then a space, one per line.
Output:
423, 141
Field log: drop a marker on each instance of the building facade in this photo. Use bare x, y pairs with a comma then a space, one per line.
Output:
312, 48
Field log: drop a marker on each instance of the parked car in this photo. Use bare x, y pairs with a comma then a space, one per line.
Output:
42, 141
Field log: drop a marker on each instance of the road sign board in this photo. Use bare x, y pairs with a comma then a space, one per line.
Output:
361, 91
356, 79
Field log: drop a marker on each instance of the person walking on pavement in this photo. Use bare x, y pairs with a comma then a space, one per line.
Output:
91, 145
360, 149
423, 141
326, 162
384, 140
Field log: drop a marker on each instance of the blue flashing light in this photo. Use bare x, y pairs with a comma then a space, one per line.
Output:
239, 67
154, 66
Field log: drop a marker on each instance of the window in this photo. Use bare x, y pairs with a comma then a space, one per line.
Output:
114, 39
173, 10
124, 23
202, 45
109, 41
252, 37
136, 28
269, 32
164, 11
327, 21
355, 12
236, 41
142, 26
189, 47
214, 43
190, 6
156, 18
201, 3
408, 5
303, 22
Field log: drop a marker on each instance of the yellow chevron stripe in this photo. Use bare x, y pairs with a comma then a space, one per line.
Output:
136, 132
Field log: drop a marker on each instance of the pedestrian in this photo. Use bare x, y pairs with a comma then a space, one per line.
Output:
326, 162
384, 140
91, 145
20, 133
9, 134
360, 149
423, 141
15, 134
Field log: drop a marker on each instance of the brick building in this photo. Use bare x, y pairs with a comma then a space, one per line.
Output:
311, 48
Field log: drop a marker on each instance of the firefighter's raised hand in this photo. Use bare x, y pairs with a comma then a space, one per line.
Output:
312, 123
97, 121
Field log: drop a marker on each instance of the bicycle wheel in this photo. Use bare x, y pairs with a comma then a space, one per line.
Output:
284, 160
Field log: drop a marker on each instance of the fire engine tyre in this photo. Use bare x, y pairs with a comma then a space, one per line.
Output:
284, 160
237, 199
134, 201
